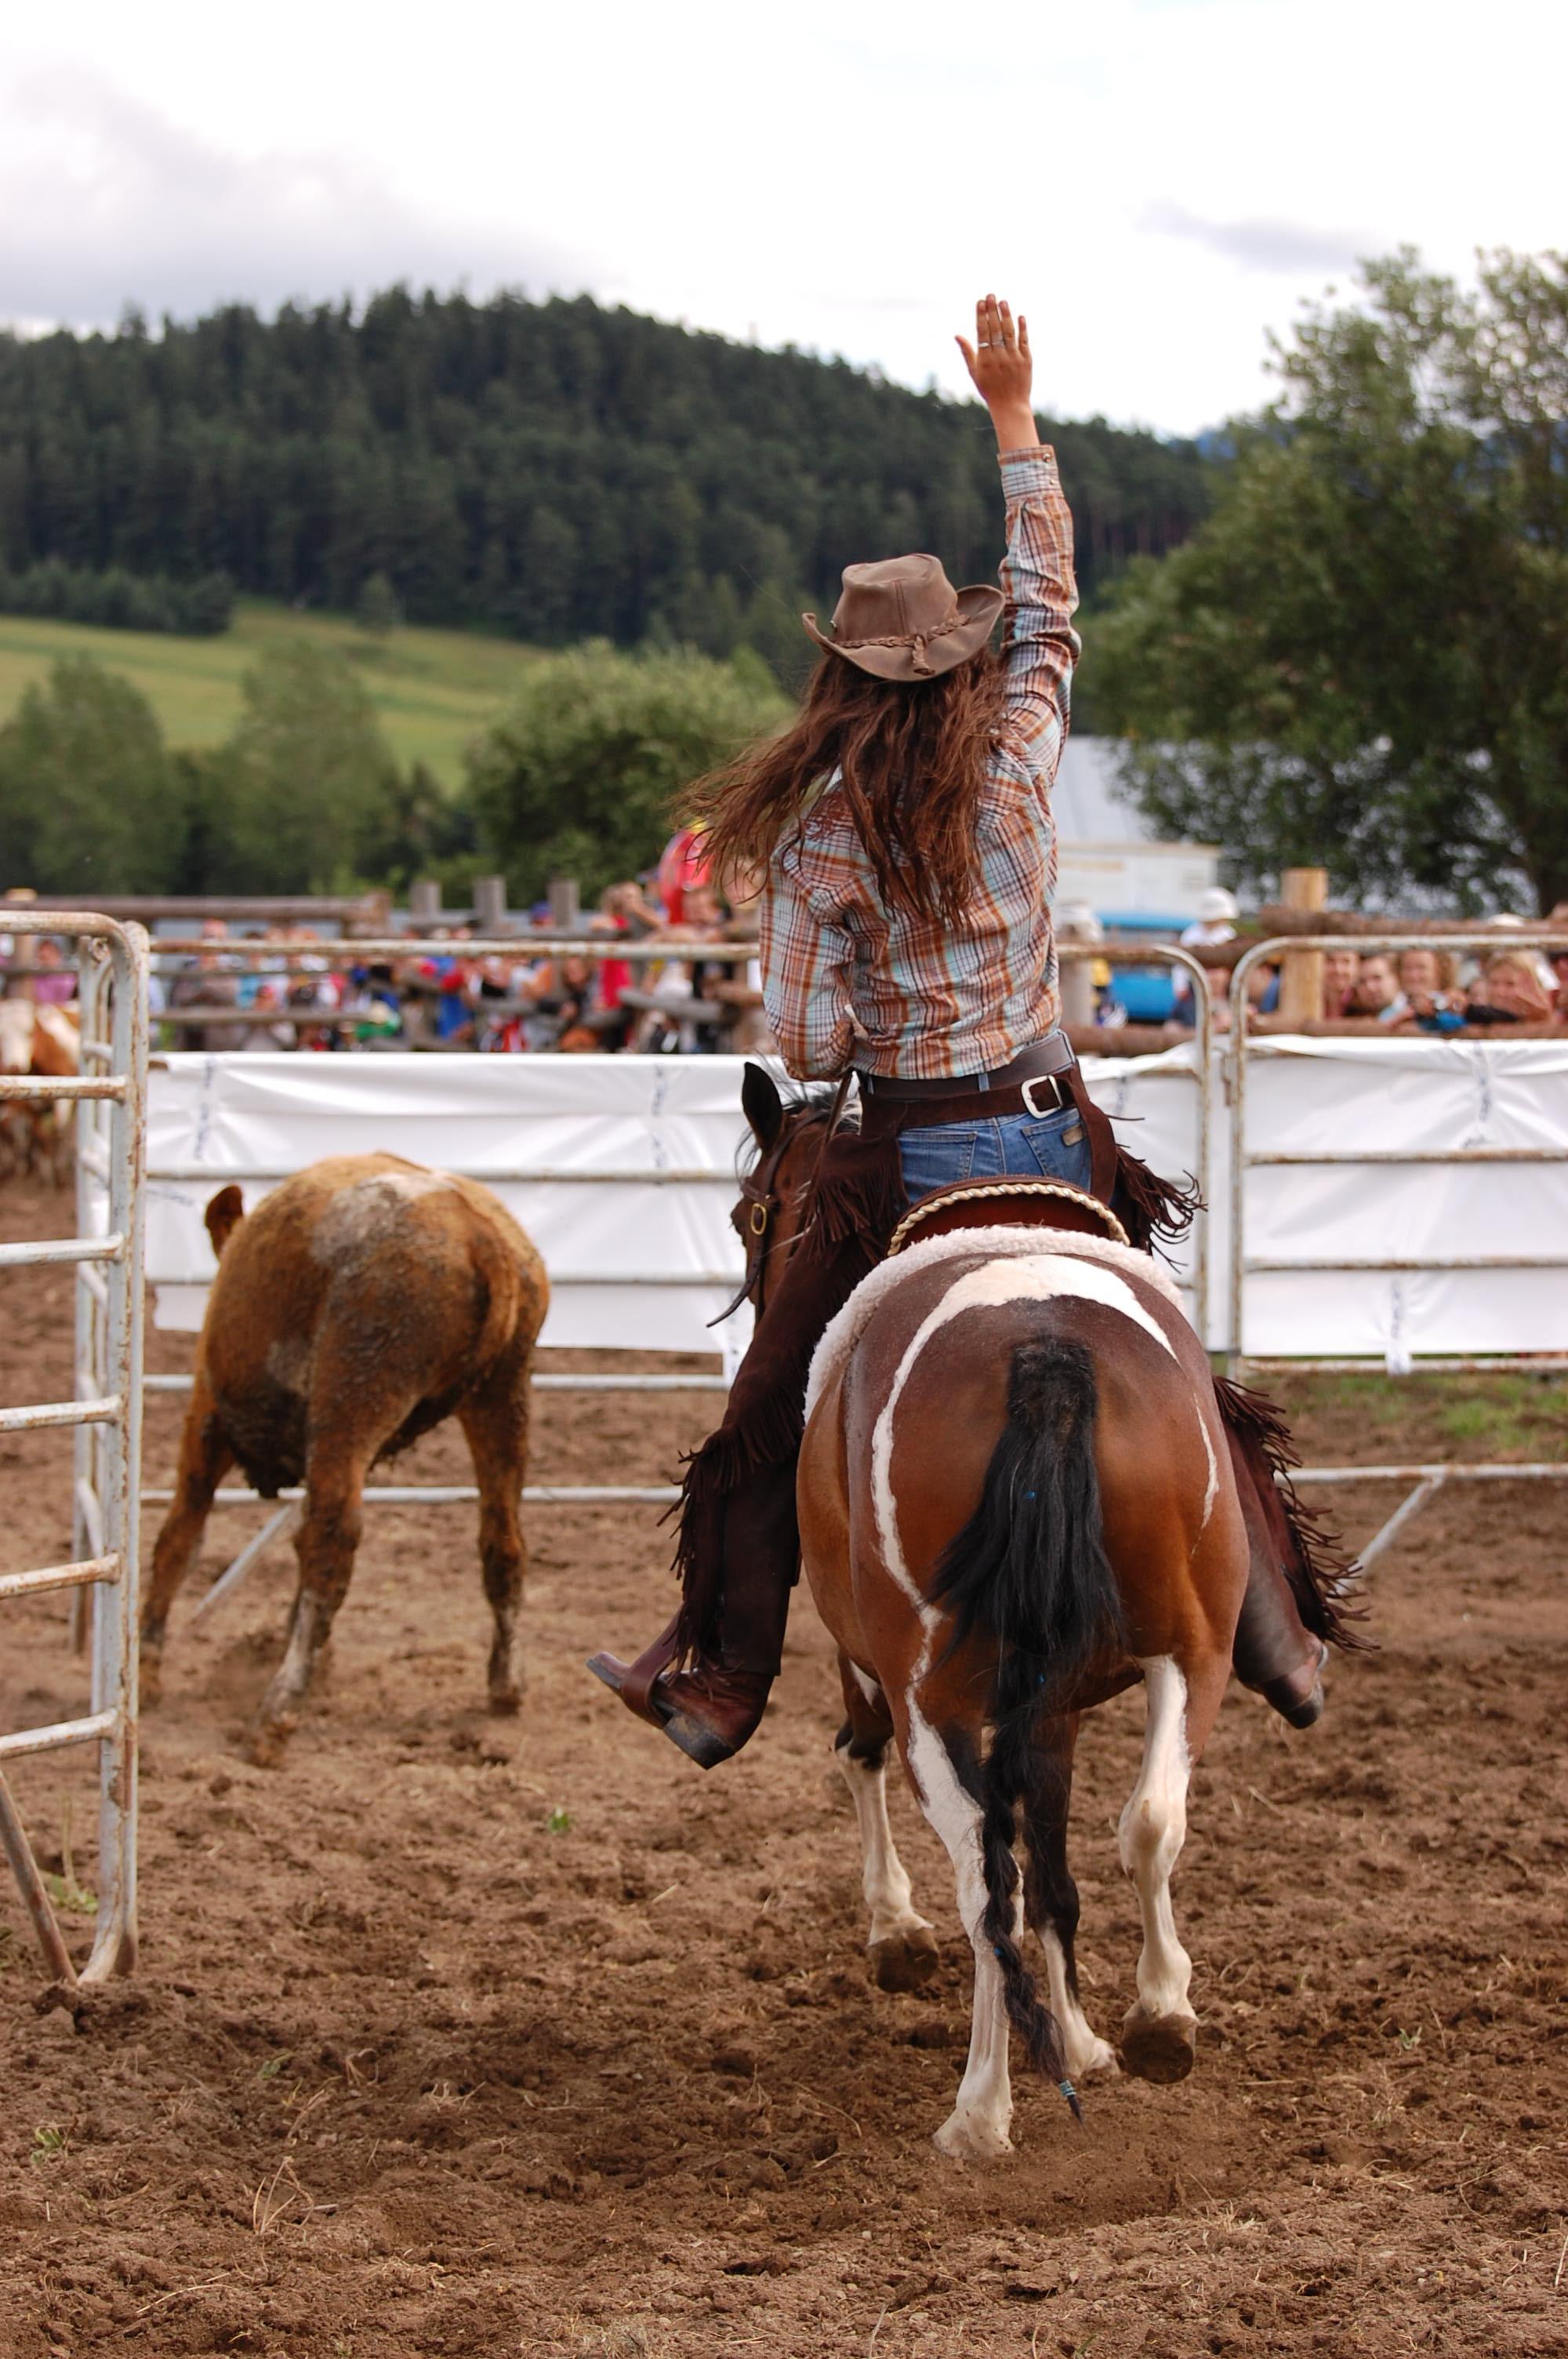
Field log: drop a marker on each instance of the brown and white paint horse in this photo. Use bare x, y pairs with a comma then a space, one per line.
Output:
1016, 1499
36, 1134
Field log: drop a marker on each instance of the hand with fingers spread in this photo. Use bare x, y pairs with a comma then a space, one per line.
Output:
1000, 363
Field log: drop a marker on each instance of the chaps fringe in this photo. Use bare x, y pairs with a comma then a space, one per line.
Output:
1317, 1564
1148, 1207
856, 1212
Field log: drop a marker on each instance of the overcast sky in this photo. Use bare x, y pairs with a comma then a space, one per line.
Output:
1157, 182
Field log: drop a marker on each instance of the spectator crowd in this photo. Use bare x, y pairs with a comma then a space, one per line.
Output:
1418, 989
695, 986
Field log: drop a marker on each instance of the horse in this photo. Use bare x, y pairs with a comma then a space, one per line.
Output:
45, 1041
1018, 1496
362, 1303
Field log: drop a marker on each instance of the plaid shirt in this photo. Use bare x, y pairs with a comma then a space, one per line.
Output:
848, 980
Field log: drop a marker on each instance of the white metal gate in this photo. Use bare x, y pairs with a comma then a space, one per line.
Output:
107, 1413
1420, 1482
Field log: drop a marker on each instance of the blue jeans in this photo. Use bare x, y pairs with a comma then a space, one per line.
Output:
1052, 1143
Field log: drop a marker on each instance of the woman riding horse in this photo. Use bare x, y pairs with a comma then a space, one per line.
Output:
903, 826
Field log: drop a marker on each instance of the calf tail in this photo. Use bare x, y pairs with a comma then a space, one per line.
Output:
1030, 1569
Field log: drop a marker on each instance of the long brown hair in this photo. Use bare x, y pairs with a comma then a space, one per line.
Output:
912, 758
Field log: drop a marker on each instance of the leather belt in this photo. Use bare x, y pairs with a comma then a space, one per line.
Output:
1041, 1060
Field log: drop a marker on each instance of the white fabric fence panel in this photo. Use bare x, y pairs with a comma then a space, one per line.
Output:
603, 1235
1403, 1097
215, 1119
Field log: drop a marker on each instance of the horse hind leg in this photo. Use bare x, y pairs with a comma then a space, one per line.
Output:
900, 1943
943, 1769
1051, 1896
1159, 2037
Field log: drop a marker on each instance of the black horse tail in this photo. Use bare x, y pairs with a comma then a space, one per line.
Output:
1029, 1569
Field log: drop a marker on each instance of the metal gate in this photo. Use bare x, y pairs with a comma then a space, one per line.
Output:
106, 1252
1420, 1481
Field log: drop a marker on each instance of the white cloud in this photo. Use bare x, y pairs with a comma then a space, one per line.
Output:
1283, 246
1158, 182
104, 202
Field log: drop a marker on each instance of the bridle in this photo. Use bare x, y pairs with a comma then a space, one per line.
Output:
756, 1216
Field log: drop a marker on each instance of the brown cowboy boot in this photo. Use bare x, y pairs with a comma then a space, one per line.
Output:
1274, 1652
705, 1679
712, 1706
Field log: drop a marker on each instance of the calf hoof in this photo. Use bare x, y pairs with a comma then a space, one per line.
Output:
1159, 2046
269, 1740
507, 1702
901, 1961
972, 2138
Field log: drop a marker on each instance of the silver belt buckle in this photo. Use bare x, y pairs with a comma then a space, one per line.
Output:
1058, 1101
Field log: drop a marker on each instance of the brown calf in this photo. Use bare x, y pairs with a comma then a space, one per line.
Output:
364, 1301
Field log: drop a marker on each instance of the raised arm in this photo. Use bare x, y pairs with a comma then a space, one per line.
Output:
999, 362
1037, 571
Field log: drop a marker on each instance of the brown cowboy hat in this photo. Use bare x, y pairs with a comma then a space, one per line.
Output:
902, 619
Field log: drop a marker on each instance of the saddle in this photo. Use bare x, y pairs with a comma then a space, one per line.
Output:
1008, 1202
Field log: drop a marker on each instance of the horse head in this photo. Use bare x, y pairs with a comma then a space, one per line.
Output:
775, 1184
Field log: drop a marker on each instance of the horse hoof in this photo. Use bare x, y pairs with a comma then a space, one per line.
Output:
903, 1961
269, 1743
969, 2138
1161, 2047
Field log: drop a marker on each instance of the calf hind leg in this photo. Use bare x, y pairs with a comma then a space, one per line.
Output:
324, 1545
902, 1945
205, 1458
495, 1420
1159, 2037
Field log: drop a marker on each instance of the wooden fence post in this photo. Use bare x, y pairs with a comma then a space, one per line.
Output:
1301, 979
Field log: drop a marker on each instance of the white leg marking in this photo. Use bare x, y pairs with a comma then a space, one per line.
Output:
982, 2112
1153, 1829
1085, 2051
867, 1685
884, 1879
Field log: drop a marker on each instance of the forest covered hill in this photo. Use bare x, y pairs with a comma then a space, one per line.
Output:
555, 471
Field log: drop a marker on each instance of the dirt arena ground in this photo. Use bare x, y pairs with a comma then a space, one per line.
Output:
470, 2037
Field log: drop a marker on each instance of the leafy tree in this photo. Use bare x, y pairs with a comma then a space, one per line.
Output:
88, 797
377, 611
306, 777
556, 470
419, 830
1361, 658
578, 778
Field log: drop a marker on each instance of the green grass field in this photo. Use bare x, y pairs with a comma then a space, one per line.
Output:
431, 689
